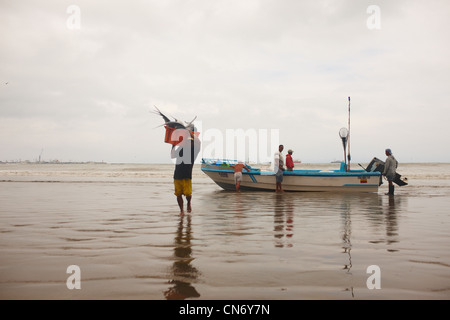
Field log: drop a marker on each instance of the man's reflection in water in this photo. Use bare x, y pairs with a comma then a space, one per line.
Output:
182, 270
384, 213
394, 204
283, 230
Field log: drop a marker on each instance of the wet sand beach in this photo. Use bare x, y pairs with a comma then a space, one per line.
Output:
120, 224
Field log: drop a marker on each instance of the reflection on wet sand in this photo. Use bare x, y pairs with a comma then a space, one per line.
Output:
394, 204
346, 234
243, 218
283, 221
183, 273
385, 214
376, 212
346, 239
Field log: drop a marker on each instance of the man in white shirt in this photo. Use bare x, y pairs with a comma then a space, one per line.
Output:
278, 164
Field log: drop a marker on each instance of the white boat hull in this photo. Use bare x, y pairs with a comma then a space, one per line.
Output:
297, 180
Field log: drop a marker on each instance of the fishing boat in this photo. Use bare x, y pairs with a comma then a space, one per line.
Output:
221, 171
344, 179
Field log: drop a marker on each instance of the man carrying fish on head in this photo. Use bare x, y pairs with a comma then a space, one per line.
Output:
185, 149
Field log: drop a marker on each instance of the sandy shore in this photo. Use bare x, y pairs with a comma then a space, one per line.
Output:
130, 243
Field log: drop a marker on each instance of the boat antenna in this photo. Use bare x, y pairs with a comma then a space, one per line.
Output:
348, 136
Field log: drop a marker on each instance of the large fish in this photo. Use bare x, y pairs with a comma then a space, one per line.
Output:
176, 124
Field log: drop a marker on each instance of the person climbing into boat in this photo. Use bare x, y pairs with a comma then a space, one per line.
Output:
289, 161
185, 155
279, 168
238, 173
390, 168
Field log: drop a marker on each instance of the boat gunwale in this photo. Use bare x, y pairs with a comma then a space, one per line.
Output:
310, 173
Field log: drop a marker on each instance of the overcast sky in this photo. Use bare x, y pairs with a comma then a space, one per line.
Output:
78, 82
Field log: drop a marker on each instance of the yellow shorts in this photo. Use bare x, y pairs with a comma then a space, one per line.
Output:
183, 186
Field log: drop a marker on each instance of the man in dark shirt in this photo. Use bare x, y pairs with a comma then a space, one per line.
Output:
185, 155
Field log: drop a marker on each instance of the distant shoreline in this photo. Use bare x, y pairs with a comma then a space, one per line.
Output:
52, 162
169, 163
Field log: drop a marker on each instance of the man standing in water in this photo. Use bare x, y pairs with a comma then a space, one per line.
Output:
185, 156
389, 172
278, 168
238, 173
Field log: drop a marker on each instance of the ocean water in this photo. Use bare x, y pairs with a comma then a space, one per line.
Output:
120, 224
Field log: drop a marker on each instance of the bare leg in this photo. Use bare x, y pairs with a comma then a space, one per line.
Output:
237, 186
189, 208
180, 203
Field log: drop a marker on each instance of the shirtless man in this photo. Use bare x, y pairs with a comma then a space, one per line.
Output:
238, 173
